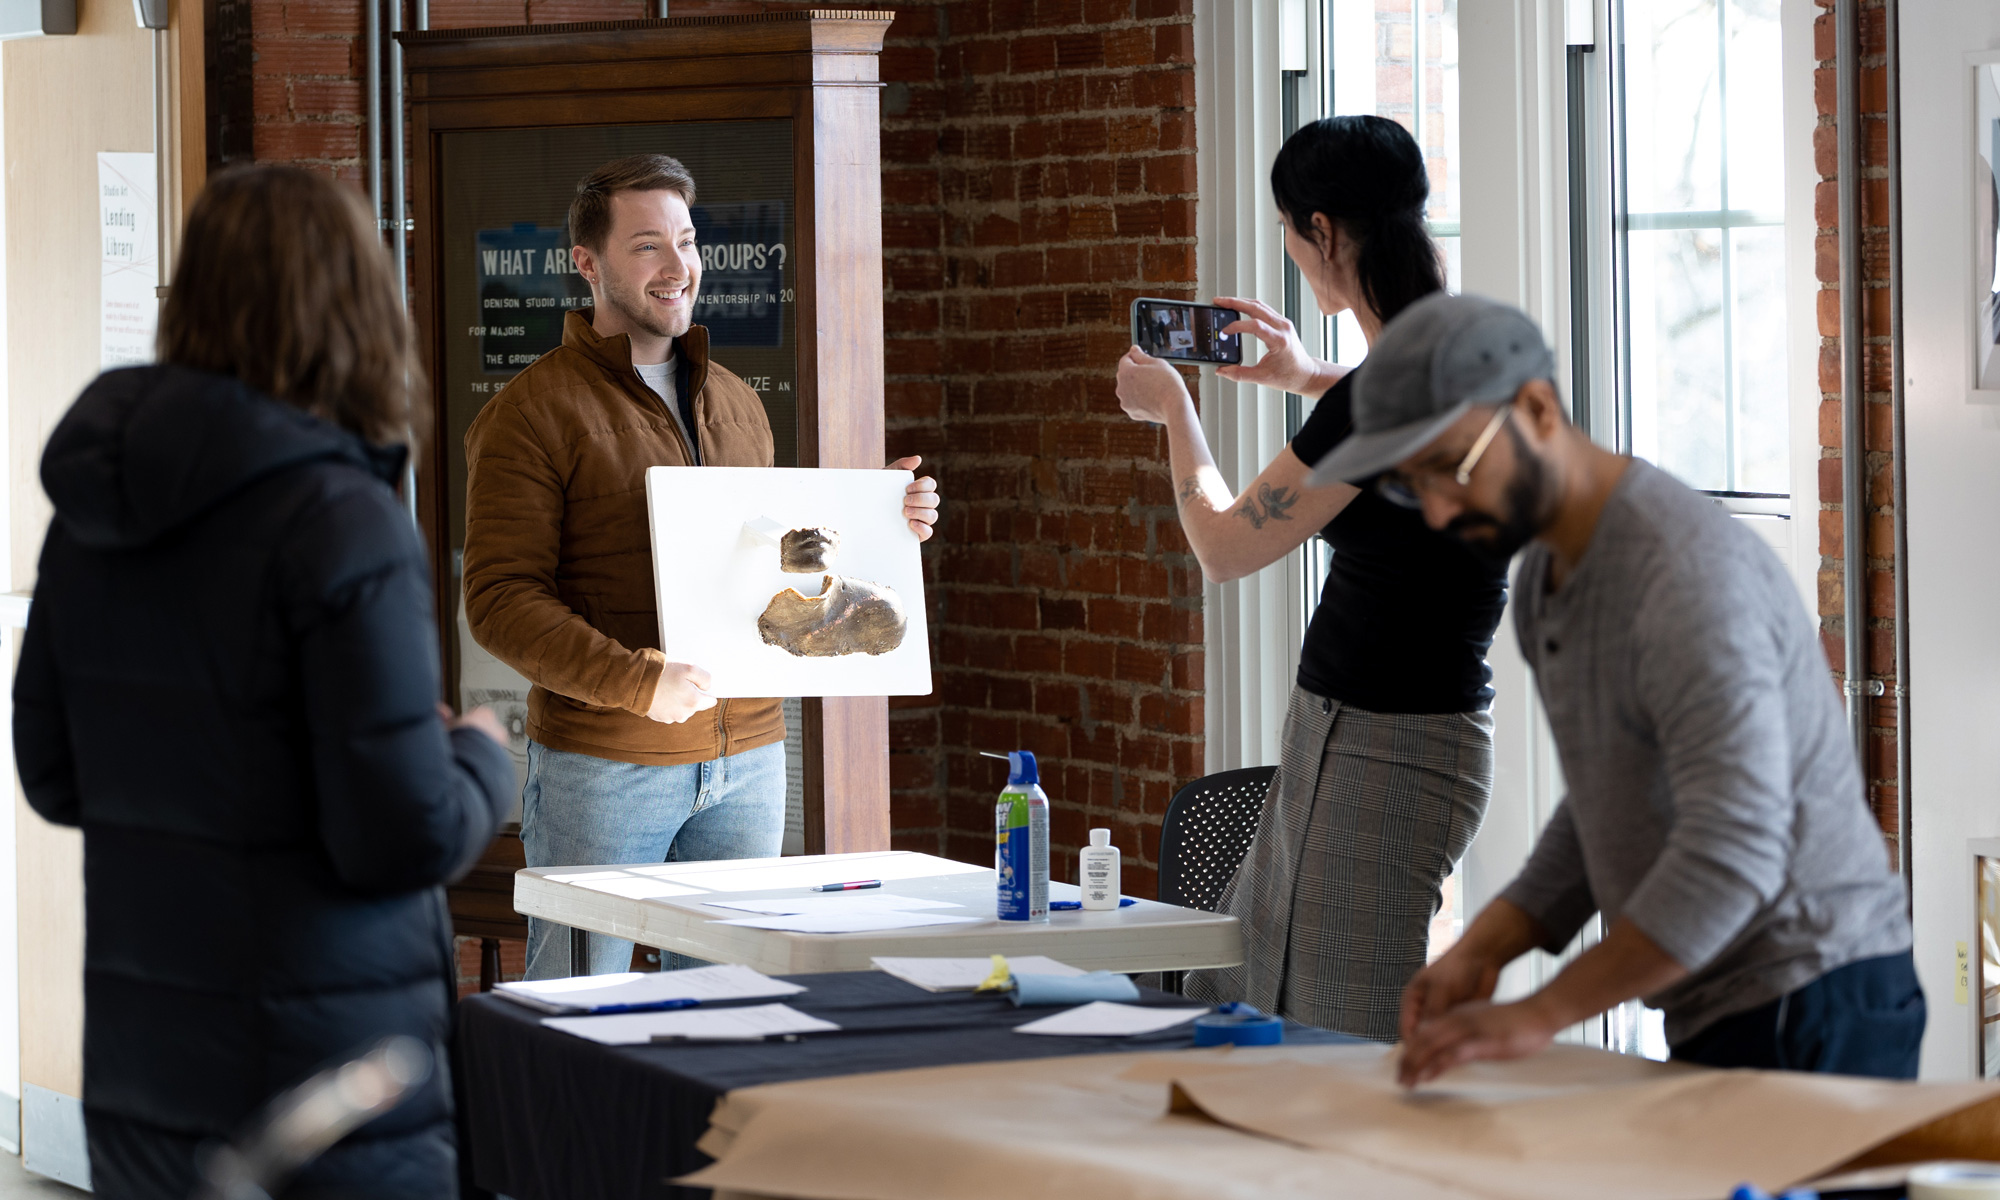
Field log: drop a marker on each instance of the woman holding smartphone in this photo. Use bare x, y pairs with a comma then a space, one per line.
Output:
1387, 759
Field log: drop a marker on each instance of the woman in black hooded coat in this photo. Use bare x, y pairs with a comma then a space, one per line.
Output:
230, 682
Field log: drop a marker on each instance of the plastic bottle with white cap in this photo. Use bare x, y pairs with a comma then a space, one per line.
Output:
1098, 867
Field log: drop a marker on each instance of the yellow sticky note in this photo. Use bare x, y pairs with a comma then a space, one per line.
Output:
1001, 979
1961, 988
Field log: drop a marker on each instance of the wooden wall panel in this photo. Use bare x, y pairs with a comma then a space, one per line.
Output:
66, 99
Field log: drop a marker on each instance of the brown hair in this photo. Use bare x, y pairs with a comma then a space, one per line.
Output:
590, 212
283, 282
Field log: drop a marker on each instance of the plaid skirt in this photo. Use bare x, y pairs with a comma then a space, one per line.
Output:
1363, 821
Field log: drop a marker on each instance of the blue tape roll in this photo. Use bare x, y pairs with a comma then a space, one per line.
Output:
1238, 1025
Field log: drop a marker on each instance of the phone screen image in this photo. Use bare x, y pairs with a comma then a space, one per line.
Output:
1188, 332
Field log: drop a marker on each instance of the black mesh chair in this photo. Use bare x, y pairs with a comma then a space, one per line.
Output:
1204, 837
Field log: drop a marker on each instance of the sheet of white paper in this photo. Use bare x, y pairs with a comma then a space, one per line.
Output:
964, 974
638, 887
721, 1024
870, 901
769, 875
697, 518
582, 876
1106, 1018
726, 982
861, 922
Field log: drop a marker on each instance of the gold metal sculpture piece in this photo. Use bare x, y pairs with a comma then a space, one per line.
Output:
849, 616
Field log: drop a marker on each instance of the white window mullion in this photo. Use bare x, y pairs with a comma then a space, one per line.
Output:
1252, 627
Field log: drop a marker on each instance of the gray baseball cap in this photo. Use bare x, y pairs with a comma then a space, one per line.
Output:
1439, 357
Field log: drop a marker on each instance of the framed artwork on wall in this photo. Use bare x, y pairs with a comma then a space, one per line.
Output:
1983, 157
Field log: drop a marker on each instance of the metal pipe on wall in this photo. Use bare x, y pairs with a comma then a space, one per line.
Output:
163, 160
373, 76
1899, 458
1853, 400
395, 223
398, 199
156, 16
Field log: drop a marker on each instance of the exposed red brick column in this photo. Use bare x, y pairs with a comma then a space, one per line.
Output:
1062, 134
1879, 763
306, 74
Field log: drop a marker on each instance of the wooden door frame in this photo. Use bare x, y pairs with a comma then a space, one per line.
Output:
820, 69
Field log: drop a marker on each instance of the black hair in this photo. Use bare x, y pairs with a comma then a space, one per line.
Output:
1368, 176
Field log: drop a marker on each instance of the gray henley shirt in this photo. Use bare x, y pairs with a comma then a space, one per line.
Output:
1713, 796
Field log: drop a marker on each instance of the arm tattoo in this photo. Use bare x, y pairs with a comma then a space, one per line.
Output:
1277, 504
1190, 488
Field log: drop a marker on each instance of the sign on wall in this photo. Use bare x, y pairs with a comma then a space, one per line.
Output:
128, 235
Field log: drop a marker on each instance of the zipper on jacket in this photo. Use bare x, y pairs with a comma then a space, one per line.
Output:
685, 436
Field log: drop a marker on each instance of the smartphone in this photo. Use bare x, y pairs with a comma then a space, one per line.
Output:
1182, 330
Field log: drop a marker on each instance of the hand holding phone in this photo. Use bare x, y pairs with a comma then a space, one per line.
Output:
1284, 365
1150, 389
1182, 331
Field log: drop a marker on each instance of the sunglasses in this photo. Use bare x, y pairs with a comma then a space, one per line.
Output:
1409, 493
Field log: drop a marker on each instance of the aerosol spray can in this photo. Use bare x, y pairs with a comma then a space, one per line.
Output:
1021, 841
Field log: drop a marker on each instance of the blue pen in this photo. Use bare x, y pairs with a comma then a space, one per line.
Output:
1072, 905
650, 1006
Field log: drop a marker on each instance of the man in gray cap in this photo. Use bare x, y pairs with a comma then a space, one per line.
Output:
1715, 814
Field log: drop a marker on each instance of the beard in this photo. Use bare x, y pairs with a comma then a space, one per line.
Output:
1527, 506
629, 300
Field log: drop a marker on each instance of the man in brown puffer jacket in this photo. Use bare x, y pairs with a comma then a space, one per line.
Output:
629, 760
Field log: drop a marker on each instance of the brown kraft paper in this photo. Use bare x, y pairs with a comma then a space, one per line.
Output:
1323, 1122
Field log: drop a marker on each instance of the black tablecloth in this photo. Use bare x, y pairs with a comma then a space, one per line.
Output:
548, 1116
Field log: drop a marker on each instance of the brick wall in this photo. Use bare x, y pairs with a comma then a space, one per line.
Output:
1038, 173
1880, 761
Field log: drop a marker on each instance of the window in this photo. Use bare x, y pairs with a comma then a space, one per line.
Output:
1677, 255
1698, 189
1395, 59
1379, 51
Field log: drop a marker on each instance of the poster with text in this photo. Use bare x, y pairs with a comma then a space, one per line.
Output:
128, 303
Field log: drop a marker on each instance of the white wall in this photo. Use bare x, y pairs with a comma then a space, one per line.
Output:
1801, 294
1954, 499
10, 973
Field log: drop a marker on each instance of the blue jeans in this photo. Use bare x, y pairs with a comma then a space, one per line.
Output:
1866, 1018
579, 810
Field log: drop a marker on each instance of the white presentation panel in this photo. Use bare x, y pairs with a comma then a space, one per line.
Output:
716, 566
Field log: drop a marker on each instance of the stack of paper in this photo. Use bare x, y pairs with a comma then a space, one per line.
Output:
764, 875
618, 883
964, 974
832, 902
752, 1024
1106, 1018
848, 921
633, 991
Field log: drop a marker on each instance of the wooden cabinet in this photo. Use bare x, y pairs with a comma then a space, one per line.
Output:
777, 116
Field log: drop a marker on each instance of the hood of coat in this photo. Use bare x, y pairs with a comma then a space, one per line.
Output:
146, 450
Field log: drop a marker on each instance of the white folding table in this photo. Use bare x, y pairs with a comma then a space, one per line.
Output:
627, 902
